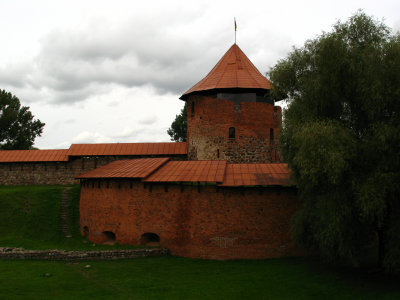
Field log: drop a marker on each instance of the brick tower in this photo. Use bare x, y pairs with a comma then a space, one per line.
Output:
230, 114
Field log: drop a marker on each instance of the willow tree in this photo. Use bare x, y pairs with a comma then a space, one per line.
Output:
341, 138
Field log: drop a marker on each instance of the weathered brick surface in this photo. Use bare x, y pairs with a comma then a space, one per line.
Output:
18, 253
208, 130
192, 221
25, 173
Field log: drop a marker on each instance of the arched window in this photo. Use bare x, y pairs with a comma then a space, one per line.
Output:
108, 237
231, 132
192, 108
271, 134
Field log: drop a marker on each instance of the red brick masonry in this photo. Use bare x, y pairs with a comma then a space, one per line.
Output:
202, 221
208, 130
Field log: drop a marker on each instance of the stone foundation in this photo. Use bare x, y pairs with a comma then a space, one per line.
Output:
18, 253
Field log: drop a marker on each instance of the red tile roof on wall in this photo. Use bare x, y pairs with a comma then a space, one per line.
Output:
129, 168
234, 70
163, 170
128, 149
33, 155
189, 171
257, 174
122, 149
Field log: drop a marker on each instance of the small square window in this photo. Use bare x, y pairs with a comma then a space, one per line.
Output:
231, 132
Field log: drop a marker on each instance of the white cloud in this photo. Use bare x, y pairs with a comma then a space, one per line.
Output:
62, 145
118, 115
149, 120
127, 133
90, 137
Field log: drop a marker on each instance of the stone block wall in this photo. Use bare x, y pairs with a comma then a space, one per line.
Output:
22, 254
257, 129
48, 173
193, 221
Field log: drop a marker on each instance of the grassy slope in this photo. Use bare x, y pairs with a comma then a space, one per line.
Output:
30, 218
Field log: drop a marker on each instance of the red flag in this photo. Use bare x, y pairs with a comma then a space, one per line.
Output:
235, 23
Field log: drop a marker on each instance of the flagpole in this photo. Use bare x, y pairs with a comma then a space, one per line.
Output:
234, 20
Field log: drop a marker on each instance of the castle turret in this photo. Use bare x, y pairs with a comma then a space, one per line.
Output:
231, 115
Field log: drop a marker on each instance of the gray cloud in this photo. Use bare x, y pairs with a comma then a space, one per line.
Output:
73, 62
73, 65
16, 75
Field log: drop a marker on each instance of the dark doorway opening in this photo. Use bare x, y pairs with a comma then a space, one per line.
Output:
150, 239
85, 231
108, 237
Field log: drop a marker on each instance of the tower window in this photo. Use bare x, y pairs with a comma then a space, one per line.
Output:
193, 108
271, 134
231, 132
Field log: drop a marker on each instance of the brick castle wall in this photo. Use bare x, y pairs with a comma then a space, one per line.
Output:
25, 173
192, 221
209, 120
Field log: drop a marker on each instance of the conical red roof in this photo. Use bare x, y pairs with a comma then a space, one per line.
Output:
234, 70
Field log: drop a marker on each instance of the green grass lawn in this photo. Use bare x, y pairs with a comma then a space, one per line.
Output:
182, 278
30, 218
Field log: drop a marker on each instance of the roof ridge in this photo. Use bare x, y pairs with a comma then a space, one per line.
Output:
255, 69
237, 69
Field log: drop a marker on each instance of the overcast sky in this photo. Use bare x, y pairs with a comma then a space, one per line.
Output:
112, 71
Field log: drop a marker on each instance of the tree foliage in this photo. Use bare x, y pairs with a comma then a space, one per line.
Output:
18, 129
178, 128
341, 138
